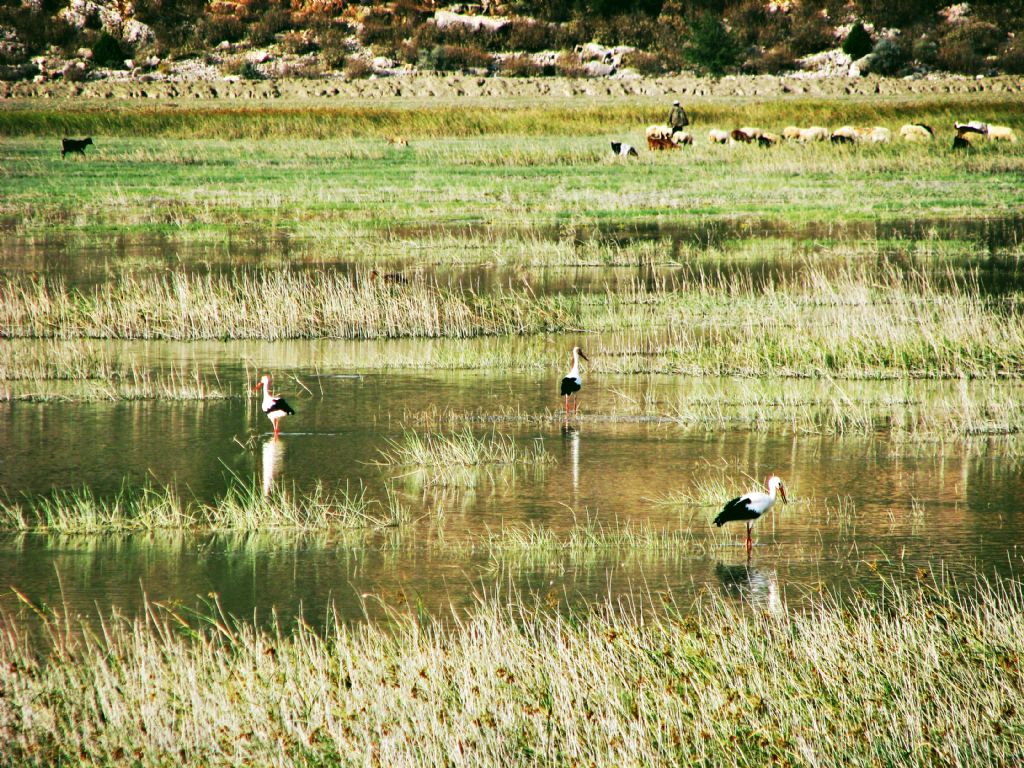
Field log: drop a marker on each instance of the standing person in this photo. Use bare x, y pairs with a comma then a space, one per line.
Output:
677, 119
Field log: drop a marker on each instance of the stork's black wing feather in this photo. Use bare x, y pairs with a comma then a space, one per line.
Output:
736, 509
281, 405
569, 386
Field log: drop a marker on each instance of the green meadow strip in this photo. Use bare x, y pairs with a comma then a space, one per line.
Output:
920, 674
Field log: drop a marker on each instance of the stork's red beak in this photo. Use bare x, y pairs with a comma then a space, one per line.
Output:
782, 493
584, 356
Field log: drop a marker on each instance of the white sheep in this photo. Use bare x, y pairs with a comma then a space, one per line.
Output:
814, 133
846, 134
791, 133
878, 135
753, 133
917, 132
718, 136
1001, 133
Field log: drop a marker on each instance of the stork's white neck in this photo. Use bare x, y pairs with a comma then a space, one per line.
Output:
574, 372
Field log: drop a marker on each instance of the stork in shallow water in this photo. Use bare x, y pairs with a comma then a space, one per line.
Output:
752, 506
275, 407
572, 383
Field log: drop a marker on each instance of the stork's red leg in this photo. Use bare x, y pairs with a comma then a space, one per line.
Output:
750, 542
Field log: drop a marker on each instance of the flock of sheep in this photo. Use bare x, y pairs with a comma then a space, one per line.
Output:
661, 137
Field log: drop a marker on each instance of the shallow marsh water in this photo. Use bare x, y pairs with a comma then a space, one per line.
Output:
863, 507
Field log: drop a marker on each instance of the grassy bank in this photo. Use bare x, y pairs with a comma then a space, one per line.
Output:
916, 677
853, 322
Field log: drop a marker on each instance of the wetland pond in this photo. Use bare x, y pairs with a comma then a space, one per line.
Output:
862, 507
865, 506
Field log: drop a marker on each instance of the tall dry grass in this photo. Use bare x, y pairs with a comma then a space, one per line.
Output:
919, 675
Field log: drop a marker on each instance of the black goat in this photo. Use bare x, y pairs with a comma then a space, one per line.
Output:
74, 145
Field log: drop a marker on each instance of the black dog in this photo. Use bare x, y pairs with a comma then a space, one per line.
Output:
74, 145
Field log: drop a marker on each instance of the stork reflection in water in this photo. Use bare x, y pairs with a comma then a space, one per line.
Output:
273, 458
758, 586
571, 439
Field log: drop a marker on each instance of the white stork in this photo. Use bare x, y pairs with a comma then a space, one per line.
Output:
275, 407
572, 383
752, 506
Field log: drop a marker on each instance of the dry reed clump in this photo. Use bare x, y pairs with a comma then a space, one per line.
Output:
916, 677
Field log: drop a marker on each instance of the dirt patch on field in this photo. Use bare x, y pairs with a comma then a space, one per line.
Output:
506, 91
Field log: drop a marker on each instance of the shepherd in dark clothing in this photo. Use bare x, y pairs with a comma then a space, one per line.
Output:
677, 119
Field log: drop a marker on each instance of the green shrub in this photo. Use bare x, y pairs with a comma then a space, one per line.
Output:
858, 43
108, 51
456, 58
889, 57
711, 47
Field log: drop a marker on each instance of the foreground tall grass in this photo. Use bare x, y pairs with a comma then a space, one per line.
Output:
917, 676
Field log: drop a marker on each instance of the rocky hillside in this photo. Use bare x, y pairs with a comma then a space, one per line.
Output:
189, 40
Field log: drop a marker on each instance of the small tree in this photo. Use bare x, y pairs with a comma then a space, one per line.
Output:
858, 42
711, 46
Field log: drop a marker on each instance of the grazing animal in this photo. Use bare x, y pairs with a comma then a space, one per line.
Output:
74, 145
275, 407
388, 278
960, 141
752, 506
791, 133
917, 132
1001, 133
814, 133
663, 137
740, 136
877, 135
847, 134
718, 136
753, 133
397, 141
624, 150
974, 126
767, 140
572, 382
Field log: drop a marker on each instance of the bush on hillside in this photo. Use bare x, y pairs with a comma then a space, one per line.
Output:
964, 46
858, 43
711, 47
520, 65
456, 58
888, 57
108, 51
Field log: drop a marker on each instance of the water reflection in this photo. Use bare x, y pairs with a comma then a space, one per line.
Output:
757, 586
571, 440
273, 458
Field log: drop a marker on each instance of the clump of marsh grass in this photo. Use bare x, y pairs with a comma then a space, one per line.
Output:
921, 674
243, 507
456, 458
